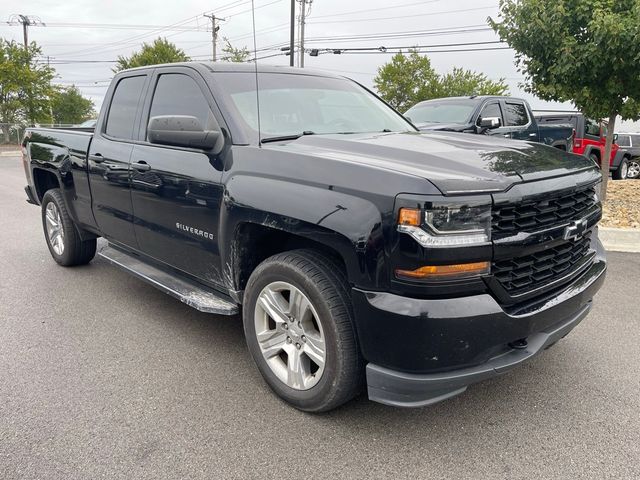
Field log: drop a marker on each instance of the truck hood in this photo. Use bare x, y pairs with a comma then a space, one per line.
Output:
455, 163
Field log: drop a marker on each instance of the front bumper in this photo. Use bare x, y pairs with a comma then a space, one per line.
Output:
421, 351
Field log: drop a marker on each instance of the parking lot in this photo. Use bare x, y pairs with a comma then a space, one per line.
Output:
102, 376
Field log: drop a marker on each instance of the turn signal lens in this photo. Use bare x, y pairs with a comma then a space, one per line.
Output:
445, 272
410, 216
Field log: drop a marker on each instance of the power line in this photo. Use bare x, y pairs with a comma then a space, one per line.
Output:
403, 16
394, 7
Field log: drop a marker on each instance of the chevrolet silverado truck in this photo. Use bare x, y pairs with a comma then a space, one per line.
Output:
360, 251
490, 115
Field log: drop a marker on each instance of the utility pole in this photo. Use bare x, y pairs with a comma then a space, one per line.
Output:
292, 41
303, 14
214, 33
26, 21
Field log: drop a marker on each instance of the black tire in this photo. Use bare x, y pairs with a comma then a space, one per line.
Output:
76, 251
621, 172
325, 284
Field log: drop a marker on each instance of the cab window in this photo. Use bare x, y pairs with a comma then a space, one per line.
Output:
491, 110
179, 94
516, 114
124, 106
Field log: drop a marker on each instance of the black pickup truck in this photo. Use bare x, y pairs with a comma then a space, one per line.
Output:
358, 249
490, 115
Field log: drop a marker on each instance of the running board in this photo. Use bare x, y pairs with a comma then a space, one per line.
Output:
187, 291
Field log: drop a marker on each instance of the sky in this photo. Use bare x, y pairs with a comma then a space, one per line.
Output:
83, 39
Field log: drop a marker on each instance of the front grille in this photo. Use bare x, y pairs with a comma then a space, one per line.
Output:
552, 210
517, 275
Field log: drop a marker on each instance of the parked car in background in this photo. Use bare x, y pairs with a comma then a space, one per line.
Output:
490, 115
589, 140
631, 143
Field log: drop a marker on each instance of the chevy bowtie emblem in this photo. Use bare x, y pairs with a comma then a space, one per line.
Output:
576, 230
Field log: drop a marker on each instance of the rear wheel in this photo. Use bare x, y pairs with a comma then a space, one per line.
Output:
298, 323
64, 242
634, 168
621, 172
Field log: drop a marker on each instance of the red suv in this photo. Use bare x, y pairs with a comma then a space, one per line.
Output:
589, 140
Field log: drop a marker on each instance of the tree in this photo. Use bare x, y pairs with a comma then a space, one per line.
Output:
160, 51
406, 80
409, 79
461, 83
25, 85
69, 106
583, 51
233, 54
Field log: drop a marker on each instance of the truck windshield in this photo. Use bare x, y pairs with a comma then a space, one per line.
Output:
443, 111
293, 105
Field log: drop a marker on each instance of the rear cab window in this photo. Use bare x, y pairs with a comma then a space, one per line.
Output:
121, 118
516, 114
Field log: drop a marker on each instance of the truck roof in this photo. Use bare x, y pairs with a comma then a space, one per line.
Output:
239, 67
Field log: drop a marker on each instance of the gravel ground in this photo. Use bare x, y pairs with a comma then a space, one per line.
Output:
103, 376
622, 208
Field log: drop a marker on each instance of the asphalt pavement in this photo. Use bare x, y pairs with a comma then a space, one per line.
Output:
103, 376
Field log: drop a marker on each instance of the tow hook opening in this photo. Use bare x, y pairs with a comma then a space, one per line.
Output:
520, 344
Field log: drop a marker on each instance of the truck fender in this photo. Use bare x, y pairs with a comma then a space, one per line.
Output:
346, 224
56, 161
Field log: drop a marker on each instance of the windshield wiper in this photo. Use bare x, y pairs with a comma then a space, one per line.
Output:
283, 138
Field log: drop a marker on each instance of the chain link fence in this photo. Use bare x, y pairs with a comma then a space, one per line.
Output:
13, 133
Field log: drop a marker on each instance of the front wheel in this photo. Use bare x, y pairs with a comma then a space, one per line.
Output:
634, 168
64, 242
298, 323
622, 171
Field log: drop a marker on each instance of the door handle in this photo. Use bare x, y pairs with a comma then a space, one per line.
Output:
141, 166
532, 134
96, 157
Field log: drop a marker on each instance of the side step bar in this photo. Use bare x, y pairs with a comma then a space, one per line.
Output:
187, 291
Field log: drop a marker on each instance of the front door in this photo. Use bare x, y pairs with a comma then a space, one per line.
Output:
492, 109
177, 192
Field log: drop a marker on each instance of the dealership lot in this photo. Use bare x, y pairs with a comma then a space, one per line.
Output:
101, 375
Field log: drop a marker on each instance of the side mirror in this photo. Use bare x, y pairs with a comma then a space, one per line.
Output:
615, 138
181, 131
491, 122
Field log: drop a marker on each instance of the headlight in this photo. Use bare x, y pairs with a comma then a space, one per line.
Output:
447, 224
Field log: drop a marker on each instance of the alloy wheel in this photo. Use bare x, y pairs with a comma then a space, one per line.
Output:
290, 335
633, 169
55, 231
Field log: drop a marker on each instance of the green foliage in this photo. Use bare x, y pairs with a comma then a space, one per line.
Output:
25, 85
583, 51
409, 79
233, 54
462, 83
69, 106
160, 51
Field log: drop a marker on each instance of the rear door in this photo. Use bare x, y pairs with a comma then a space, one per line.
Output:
109, 157
518, 122
176, 191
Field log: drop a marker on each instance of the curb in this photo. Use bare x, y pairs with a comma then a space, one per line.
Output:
10, 153
620, 239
